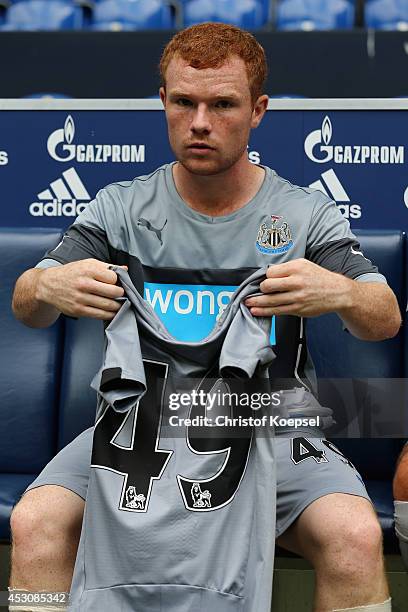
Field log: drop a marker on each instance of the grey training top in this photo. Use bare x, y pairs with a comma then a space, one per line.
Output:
188, 264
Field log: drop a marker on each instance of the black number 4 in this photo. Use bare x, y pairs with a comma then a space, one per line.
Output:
302, 449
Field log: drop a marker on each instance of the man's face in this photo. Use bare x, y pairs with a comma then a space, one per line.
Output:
209, 114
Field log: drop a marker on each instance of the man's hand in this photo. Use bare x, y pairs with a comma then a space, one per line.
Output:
85, 288
369, 310
301, 288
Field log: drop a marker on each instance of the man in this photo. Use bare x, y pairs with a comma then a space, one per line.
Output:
212, 205
400, 487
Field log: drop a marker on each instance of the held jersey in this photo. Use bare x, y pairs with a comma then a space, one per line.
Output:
180, 518
188, 264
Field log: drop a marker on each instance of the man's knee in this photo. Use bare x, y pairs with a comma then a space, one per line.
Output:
46, 515
346, 538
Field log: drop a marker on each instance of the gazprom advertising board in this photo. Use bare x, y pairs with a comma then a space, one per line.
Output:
56, 154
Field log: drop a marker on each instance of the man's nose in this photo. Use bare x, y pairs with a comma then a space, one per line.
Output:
201, 121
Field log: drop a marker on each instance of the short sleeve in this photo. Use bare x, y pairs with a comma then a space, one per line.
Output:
88, 236
332, 245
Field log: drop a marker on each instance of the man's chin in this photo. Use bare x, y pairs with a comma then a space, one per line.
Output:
203, 167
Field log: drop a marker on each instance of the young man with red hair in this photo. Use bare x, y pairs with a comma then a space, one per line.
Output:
218, 212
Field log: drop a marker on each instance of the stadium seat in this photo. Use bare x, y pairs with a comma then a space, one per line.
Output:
29, 376
82, 360
249, 14
132, 14
315, 15
386, 14
363, 370
44, 15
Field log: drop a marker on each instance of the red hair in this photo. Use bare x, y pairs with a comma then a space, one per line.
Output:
210, 45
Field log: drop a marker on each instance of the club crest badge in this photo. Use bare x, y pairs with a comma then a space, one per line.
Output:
274, 236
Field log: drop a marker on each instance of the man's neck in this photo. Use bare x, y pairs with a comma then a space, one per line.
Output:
219, 194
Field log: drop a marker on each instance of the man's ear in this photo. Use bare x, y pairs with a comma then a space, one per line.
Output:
259, 110
162, 93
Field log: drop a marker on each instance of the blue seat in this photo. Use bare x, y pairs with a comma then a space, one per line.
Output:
353, 357
29, 376
376, 460
386, 14
249, 14
141, 14
82, 359
44, 15
364, 370
315, 15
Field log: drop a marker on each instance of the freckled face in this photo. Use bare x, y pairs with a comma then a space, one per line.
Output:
209, 114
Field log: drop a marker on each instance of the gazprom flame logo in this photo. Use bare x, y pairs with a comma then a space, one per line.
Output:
69, 129
61, 147
315, 138
327, 130
59, 143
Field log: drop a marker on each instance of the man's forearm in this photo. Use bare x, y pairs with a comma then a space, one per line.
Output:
371, 311
27, 306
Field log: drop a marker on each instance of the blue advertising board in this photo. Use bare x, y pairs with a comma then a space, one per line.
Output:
56, 154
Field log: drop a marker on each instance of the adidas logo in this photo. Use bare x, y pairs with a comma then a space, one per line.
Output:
66, 197
330, 185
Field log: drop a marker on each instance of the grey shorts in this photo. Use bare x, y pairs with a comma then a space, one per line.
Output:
307, 468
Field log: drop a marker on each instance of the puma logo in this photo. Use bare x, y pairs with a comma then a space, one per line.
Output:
145, 223
356, 252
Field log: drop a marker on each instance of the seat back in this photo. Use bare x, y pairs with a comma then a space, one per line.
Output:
315, 15
143, 14
83, 348
249, 14
30, 362
44, 15
386, 14
340, 355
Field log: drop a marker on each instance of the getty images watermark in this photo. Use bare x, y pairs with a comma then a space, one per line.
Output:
212, 403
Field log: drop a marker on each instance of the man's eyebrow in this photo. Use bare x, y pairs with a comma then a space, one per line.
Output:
227, 96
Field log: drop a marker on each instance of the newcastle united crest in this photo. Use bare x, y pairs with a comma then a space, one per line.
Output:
274, 236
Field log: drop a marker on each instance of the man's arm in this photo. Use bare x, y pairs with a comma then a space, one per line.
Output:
300, 287
85, 288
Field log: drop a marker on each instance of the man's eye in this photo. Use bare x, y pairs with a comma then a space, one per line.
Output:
183, 102
224, 104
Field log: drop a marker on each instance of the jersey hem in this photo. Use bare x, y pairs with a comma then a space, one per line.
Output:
61, 482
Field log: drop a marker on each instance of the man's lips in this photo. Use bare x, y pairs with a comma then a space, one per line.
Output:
199, 145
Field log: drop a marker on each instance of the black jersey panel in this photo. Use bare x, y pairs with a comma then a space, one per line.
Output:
81, 242
343, 256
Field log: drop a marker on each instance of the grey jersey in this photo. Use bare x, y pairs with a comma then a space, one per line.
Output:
188, 264
179, 518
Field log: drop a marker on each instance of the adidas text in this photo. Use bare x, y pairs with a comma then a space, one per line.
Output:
350, 211
56, 208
